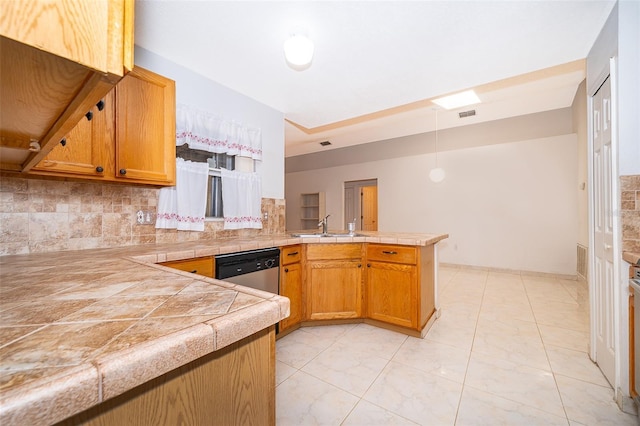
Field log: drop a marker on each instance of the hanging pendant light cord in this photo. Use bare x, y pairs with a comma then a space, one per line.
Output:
436, 138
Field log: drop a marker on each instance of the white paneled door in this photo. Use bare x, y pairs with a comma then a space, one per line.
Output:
604, 209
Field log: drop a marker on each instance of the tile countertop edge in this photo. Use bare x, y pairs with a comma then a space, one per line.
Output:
52, 398
79, 388
632, 258
172, 251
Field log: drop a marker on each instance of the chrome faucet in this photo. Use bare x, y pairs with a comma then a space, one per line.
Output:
324, 224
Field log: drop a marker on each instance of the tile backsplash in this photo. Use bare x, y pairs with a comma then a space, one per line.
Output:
630, 211
41, 215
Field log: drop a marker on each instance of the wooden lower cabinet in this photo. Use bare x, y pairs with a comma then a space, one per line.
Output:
334, 289
392, 293
333, 281
400, 284
232, 386
198, 265
291, 284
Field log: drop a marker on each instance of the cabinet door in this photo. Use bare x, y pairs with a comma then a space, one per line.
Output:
146, 128
392, 293
334, 289
199, 265
88, 149
97, 33
291, 287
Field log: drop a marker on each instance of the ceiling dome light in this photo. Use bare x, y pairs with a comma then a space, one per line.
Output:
298, 50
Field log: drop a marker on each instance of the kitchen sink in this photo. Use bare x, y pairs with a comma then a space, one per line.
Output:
322, 235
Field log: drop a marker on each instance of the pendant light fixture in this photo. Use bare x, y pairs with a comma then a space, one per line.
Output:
298, 51
437, 175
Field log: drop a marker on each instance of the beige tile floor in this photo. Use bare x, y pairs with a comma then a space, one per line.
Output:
507, 350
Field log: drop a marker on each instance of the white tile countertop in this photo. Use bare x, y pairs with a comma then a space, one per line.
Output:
80, 327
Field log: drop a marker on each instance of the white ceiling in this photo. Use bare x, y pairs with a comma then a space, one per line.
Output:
380, 56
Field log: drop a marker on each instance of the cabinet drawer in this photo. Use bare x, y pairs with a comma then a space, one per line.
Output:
199, 265
290, 254
333, 251
392, 253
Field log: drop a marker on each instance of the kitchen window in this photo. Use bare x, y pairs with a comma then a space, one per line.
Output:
216, 161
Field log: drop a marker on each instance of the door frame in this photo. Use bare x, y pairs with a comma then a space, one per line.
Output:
356, 184
617, 253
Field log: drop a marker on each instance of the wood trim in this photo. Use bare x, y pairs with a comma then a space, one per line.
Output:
632, 343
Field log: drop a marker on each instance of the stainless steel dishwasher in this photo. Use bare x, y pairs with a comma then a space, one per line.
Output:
254, 268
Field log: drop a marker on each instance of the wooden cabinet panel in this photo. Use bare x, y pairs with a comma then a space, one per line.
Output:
198, 265
97, 34
88, 148
291, 287
392, 253
334, 289
145, 123
59, 58
290, 254
392, 293
334, 251
132, 138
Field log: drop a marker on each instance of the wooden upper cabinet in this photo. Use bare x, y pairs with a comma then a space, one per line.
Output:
146, 127
59, 58
88, 149
97, 34
131, 135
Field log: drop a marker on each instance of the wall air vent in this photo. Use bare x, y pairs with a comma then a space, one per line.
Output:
469, 113
325, 143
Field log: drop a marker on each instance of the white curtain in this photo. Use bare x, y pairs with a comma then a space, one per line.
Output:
241, 198
209, 132
183, 206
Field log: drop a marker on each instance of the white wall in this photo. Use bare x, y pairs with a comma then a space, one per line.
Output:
195, 90
509, 205
629, 87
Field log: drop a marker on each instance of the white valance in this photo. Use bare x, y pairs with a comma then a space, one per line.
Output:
209, 132
241, 198
183, 206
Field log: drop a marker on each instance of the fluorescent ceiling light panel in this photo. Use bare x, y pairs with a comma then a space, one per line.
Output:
458, 100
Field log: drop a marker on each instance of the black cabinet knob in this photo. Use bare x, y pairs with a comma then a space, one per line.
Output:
100, 105
89, 115
63, 142
368, 265
99, 169
359, 265
123, 171
286, 269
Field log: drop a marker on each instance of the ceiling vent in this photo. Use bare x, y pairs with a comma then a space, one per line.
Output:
469, 113
325, 143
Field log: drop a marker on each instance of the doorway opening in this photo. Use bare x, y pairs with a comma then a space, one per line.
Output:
361, 204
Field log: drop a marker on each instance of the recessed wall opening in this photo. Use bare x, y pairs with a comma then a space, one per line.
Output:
361, 204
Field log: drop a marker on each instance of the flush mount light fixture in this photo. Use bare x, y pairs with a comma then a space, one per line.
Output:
298, 50
458, 100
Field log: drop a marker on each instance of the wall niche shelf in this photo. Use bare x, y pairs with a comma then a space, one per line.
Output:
312, 209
